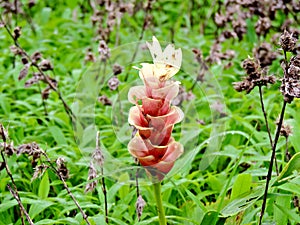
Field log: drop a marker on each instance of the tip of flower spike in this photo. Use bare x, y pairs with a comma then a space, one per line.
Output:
170, 56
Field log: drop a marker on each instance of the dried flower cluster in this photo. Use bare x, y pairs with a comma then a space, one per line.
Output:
255, 77
42, 65
264, 54
233, 14
290, 86
107, 14
140, 204
97, 159
153, 116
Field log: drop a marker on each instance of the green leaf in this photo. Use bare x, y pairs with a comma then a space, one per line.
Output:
293, 164
45, 15
196, 200
38, 207
210, 218
44, 187
124, 190
280, 216
290, 213
7, 205
241, 204
58, 135
241, 186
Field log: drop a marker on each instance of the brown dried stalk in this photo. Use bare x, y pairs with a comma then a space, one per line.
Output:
61, 177
16, 196
14, 192
269, 175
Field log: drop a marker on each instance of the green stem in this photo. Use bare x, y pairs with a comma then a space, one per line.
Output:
160, 209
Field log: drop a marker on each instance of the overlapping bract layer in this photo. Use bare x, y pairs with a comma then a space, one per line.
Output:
153, 116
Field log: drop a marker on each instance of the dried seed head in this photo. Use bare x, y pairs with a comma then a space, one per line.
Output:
45, 65
288, 41
244, 85
3, 133
36, 57
262, 26
117, 69
113, 83
104, 100
24, 60
90, 186
295, 61
227, 34
15, 50
271, 79
46, 92
61, 168
294, 72
290, 88
35, 79
31, 3
30, 149
240, 28
89, 56
220, 20
17, 33
127, 7
98, 156
147, 21
111, 20
39, 171
103, 50
252, 68
9, 149
286, 130
198, 55
265, 55
24, 71
140, 204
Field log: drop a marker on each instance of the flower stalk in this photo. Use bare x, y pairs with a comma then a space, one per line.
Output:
159, 205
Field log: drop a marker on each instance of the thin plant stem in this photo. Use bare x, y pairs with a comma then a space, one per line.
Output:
60, 176
16, 193
85, 217
158, 199
269, 175
17, 197
137, 187
105, 196
267, 123
102, 179
137, 182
